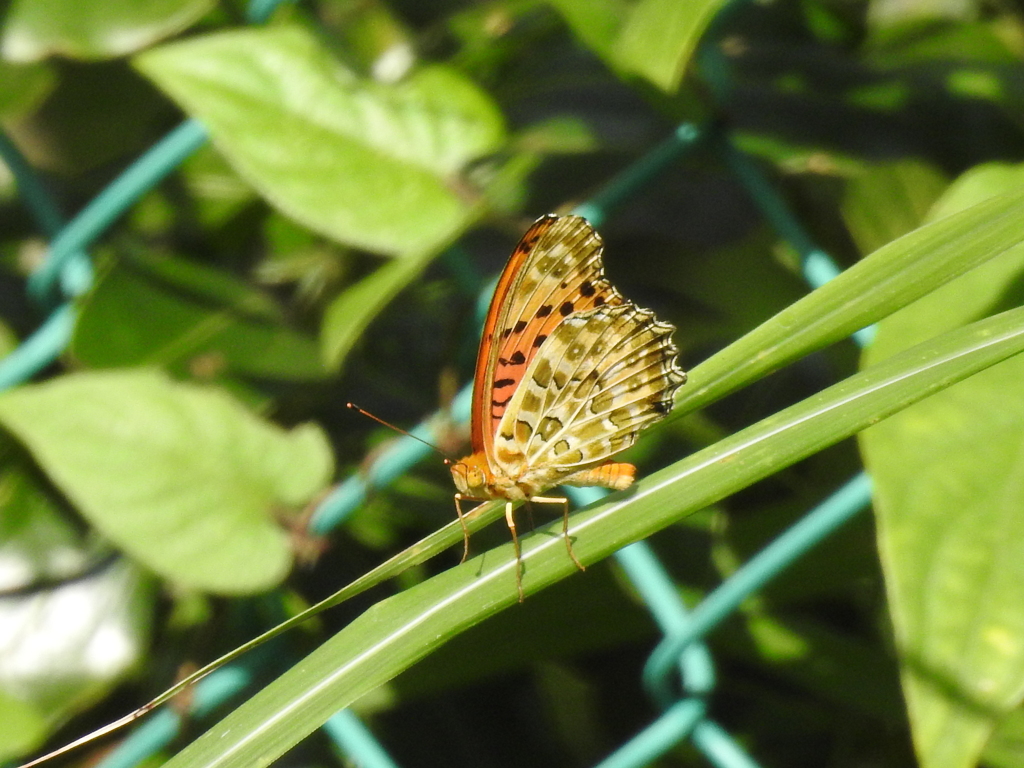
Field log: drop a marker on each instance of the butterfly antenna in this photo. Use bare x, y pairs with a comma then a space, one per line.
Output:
389, 425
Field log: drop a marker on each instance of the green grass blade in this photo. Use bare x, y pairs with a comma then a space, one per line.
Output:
888, 279
395, 633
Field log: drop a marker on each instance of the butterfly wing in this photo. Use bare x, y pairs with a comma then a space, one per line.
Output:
554, 272
600, 377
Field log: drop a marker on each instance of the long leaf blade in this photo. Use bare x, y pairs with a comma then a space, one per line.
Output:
397, 632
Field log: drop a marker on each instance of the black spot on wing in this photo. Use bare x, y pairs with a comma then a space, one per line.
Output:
502, 383
566, 309
539, 340
544, 311
527, 245
518, 358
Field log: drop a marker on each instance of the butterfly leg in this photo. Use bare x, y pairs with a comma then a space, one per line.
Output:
511, 520
529, 513
465, 530
565, 523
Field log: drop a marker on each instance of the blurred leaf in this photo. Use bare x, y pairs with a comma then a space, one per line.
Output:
827, 23
1006, 747
798, 158
947, 498
349, 314
978, 184
556, 135
24, 728
298, 256
886, 201
35, 29
660, 37
63, 646
371, 165
37, 542
196, 320
736, 288
187, 481
8, 341
219, 192
374, 35
897, 41
595, 22
94, 116
883, 96
839, 666
22, 88
885, 15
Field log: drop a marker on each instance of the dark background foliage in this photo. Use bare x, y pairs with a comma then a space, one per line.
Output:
856, 112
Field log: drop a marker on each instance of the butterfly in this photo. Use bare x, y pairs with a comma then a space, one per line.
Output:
568, 373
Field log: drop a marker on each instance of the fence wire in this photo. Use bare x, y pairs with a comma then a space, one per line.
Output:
679, 676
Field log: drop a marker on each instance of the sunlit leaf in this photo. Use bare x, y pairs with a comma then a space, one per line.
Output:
948, 503
370, 164
187, 481
35, 29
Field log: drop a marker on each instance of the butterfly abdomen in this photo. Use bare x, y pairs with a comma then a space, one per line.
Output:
615, 475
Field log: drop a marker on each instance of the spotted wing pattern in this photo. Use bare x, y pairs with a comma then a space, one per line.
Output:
596, 381
554, 272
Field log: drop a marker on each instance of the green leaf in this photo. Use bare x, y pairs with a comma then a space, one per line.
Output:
36, 29
349, 314
977, 44
660, 37
8, 341
372, 165
886, 201
23, 88
976, 185
197, 317
23, 730
836, 665
396, 632
73, 623
948, 497
595, 22
181, 477
1006, 747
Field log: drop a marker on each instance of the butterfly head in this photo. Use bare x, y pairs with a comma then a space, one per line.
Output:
471, 476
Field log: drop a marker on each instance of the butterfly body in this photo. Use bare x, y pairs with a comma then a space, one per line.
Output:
568, 374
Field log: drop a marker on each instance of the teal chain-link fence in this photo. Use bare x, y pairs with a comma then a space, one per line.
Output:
679, 676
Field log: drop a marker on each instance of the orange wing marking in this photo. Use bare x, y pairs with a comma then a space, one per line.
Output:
554, 271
